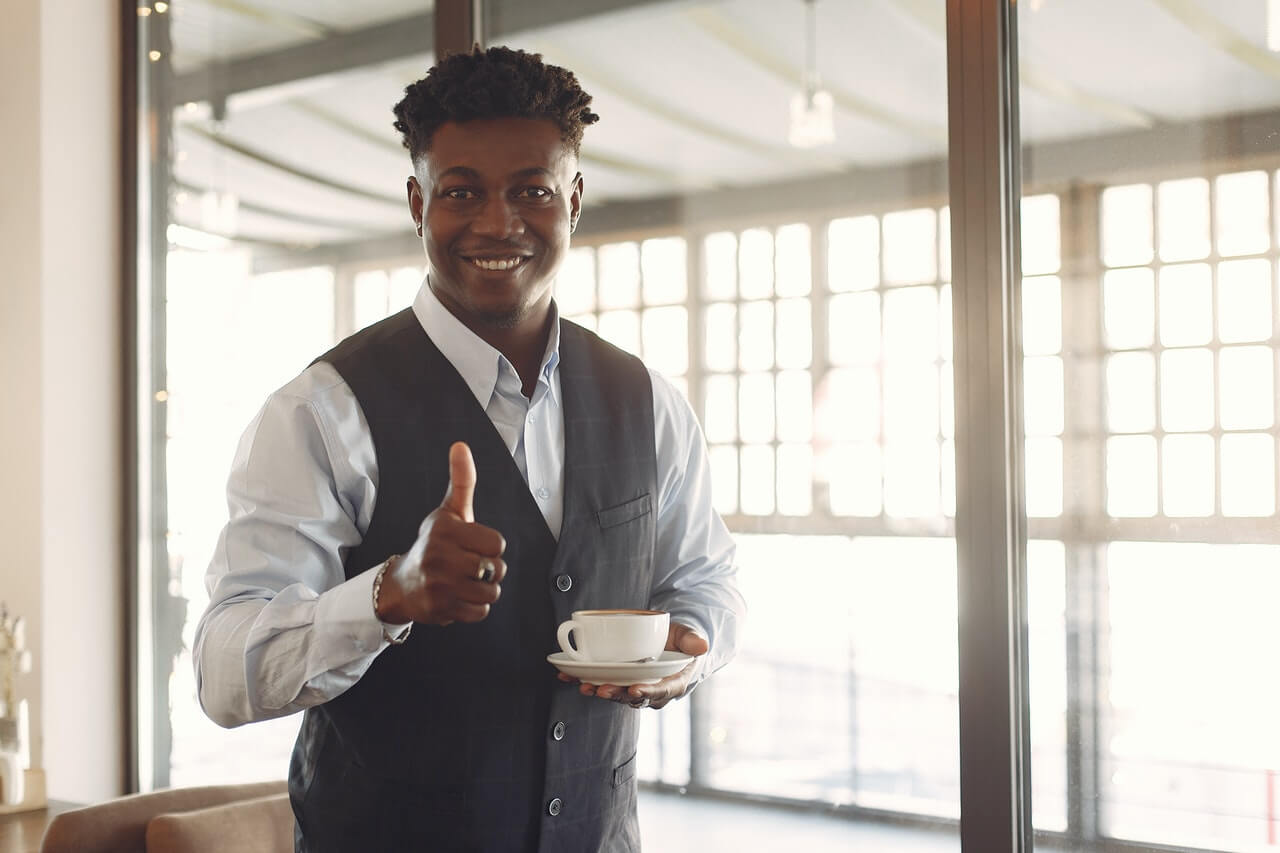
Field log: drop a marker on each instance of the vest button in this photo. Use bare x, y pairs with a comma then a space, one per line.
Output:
557, 731
564, 583
553, 807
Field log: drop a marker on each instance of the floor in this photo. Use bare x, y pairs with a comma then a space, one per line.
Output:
670, 823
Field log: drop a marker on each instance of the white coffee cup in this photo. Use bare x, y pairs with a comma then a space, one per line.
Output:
614, 636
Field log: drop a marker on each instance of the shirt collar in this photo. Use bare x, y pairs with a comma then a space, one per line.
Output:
475, 360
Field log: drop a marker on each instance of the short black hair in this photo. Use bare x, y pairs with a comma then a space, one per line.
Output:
497, 82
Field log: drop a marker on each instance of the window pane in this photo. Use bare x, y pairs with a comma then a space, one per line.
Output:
1190, 628
853, 253
371, 303
1041, 315
1184, 219
1131, 476
720, 418
755, 264
720, 257
911, 324
910, 400
755, 336
1244, 301
944, 243
1131, 399
666, 339
1248, 475
1041, 237
853, 476
724, 479
1043, 395
1188, 483
664, 270
619, 265
912, 483
1186, 305
1044, 477
403, 287
1186, 390
757, 479
755, 407
853, 334
795, 479
720, 327
792, 260
622, 329
795, 406
848, 405
1129, 304
576, 282
1126, 225
1241, 207
1245, 387
910, 247
795, 333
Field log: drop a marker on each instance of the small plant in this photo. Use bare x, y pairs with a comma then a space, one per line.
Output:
15, 659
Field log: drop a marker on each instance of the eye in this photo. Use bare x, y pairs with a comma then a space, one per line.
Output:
536, 193
459, 194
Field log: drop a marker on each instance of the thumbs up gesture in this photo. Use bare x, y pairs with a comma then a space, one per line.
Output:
454, 571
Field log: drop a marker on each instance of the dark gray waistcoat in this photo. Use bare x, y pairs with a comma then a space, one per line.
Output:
461, 738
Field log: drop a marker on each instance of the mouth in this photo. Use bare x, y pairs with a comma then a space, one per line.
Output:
498, 264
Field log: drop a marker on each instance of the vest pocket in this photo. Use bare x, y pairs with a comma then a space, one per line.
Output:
624, 512
625, 772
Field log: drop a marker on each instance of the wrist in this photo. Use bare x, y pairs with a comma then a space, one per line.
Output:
386, 599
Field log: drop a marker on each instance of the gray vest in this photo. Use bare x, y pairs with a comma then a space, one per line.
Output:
462, 738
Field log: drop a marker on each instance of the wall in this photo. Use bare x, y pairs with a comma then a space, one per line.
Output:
60, 357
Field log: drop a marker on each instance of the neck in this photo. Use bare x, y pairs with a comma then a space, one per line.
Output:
523, 345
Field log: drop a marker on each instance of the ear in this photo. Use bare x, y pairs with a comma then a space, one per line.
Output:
575, 202
414, 191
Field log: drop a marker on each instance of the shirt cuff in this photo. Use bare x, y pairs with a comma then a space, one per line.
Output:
348, 607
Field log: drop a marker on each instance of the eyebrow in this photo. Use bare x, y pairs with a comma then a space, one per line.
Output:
471, 174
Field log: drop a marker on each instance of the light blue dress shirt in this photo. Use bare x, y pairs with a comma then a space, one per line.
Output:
286, 630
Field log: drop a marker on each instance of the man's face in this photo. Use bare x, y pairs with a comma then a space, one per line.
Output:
494, 201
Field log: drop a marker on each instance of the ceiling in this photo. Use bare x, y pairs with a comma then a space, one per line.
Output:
693, 96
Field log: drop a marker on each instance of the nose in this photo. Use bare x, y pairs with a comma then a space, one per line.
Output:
498, 218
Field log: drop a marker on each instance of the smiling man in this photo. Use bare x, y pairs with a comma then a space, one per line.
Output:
413, 515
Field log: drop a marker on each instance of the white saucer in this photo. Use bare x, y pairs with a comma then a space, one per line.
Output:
621, 674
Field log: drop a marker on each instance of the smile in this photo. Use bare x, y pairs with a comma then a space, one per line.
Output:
497, 264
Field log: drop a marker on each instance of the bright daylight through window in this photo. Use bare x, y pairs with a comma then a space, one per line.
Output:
801, 300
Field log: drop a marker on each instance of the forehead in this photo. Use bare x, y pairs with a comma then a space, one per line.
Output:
496, 147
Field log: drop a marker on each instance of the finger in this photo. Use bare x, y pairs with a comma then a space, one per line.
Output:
490, 570
471, 592
468, 536
462, 482
463, 611
689, 641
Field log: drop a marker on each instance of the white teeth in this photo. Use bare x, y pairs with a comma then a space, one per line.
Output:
496, 263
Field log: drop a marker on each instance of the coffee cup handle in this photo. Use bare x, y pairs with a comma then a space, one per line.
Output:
562, 634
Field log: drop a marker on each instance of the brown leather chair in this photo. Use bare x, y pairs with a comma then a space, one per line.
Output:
254, 818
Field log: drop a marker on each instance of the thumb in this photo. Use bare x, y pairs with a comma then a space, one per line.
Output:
462, 482
687, 640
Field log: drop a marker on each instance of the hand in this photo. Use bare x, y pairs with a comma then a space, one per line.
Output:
680, 638
437, 581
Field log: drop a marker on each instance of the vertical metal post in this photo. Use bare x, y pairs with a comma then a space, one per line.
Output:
130, 516
459, 25
153, 440
995, 790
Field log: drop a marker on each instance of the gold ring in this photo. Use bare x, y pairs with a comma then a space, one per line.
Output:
486, 571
